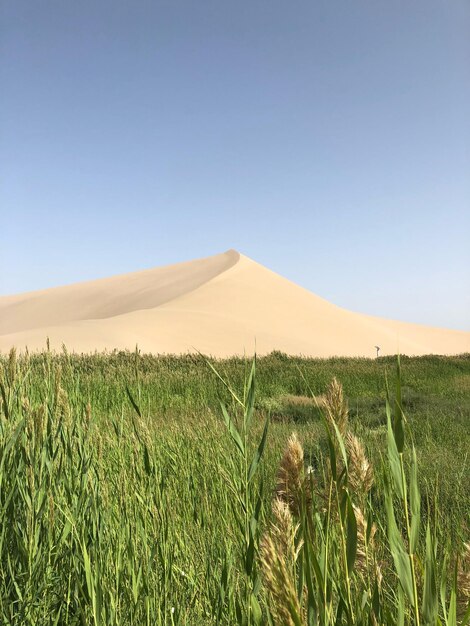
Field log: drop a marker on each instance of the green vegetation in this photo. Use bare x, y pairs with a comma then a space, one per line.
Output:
159, 490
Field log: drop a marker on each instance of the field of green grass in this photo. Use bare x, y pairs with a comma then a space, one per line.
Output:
168, 490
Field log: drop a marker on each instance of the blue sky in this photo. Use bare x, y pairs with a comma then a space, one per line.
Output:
328, 140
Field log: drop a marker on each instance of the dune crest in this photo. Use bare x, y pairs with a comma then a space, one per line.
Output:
221, 305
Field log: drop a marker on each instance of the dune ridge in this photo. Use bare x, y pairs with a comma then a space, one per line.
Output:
222, 305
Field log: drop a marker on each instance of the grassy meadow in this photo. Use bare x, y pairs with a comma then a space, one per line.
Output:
172, 491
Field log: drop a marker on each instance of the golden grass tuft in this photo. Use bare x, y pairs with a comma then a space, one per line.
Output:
364, 547
360, 474
290, 476
278, 556
335, 405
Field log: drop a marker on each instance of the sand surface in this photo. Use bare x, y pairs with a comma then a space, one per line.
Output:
222, 305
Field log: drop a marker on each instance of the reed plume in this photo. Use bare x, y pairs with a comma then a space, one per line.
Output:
278, 557
364, 545
290, 476
335, 405
360, 471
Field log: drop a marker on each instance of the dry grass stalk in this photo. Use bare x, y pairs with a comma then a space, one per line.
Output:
335, 405
360, 475
278, 556
378, 574
290, 477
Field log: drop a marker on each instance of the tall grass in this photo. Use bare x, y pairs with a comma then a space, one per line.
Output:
142, 490
352, 556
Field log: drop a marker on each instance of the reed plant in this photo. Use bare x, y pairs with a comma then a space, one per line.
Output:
359, 557
145, 490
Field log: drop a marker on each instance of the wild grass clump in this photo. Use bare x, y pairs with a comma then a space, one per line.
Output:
163, 491
360, 557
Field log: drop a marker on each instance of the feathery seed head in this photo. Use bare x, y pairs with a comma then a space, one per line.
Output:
335, 405
360, 475
363, 546
290, 475
278, 555
284, 531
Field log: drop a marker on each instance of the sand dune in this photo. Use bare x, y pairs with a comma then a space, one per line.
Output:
221, 305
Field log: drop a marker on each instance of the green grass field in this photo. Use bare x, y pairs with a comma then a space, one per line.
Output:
155, 490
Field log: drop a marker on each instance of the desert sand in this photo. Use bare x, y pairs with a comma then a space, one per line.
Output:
222, 305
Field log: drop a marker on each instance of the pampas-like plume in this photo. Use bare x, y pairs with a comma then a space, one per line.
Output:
284, 531
290, 477
335, 405
360, 471
363, 546
278, 556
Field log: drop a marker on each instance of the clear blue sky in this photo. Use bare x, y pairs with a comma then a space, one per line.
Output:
328, 140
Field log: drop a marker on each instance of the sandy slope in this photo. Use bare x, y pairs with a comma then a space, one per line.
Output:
222, 305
